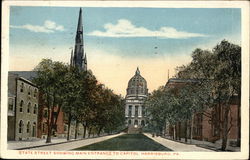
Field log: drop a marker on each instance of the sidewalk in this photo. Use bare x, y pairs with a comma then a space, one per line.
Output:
57, 143
177, 146
209, 145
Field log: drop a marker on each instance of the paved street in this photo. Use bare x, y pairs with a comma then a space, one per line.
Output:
176, 146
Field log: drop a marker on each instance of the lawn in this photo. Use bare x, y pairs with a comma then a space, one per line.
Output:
127, 142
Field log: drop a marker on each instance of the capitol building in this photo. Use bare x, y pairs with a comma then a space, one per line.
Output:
135, 111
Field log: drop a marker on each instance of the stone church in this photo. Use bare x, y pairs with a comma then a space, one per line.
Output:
78, 57
135, 111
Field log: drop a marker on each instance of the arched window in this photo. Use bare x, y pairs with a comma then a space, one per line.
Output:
34, 129
129, 122
35, 92
35, 109
21, 106
136, 122
22, 87
142, 123
20, 126
28, 127
28, 108
29, 90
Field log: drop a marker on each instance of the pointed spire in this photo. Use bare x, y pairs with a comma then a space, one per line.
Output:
79, 26
85, 58
137, 71
71, 58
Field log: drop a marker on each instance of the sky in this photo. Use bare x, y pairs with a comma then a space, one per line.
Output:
118, 40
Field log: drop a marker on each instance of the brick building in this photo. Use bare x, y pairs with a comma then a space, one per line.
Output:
204, 126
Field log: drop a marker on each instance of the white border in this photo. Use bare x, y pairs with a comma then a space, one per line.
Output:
244, 5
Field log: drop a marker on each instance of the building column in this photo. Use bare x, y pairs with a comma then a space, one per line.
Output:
126, 111
133, 111
140, 111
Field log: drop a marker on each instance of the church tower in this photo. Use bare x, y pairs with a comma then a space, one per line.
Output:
78, 59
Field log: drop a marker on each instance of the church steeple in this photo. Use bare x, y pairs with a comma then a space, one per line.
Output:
78, 57
79, 26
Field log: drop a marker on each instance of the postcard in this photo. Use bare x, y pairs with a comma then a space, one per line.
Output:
125, 80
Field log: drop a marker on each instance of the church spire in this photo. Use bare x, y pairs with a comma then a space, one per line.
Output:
78, 57
137, 71
79, 26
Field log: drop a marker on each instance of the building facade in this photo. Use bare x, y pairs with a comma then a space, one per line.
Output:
205, 125
135, 111
22, 109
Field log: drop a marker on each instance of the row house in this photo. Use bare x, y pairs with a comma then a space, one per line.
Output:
22, 108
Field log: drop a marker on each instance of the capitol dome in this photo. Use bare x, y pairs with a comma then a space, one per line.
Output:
137, 85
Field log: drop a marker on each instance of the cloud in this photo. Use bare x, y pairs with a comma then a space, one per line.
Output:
47, 27
124, 28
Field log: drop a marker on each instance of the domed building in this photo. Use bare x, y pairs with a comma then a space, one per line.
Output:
135, 111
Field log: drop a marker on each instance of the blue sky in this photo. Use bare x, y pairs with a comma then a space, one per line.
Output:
122, 37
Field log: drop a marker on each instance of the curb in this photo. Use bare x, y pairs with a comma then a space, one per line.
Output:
51, 144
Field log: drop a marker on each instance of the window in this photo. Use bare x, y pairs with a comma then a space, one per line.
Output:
28, 108
143, 111
28, 127
136, 122
11, 104
129, 122
35, 109
29, 90
130, 111
35, 92
21, 106
136, 111
20, 126
142, 123
34, 130
22, 87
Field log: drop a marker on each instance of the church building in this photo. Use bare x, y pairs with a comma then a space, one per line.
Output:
78, 58
135, 111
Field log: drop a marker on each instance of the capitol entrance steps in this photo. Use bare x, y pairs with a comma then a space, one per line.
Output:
134, 130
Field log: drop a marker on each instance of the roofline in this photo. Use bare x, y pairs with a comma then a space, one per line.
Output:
27, 81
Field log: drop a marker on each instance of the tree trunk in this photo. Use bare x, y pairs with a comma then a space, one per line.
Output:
99, 131
192, 127
225, 127
69, 122
175, 132
84, 130
186, 130
76, 129
179, 130
90, 128
48, 140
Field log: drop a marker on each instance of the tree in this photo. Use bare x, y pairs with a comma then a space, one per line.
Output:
221, 68
49, 79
